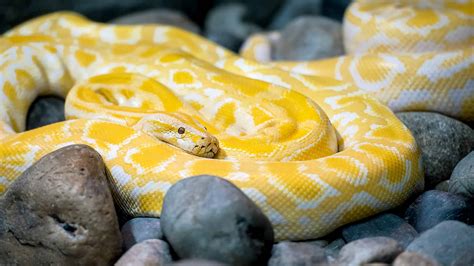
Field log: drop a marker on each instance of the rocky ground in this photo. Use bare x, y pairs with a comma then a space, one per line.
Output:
61, 210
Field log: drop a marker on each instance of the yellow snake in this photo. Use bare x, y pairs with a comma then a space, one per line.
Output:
314, 153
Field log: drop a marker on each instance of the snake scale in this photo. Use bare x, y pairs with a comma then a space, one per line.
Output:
307, 141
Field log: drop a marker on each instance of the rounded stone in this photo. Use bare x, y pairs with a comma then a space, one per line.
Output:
297, 253
446, 243
443, 186
368, 250
148, 252
386, 224
411, 258
332, 249
292, 9
60, 211
434, 206
462, 178
443, 141
226, 24
208, 217
158, 16
309, 38
198, 262
44, 111
140, 229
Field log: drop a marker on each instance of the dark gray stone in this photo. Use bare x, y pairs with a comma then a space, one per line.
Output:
198, 262
368, 250
226, 25
309, 38
413, 259
387, 224
434, 206
446, 243
462, 178
158, 16
209, 218
140, 229
148, 252
60, 211
292, 9
332, 249
44, 111
443, 141
297, 253
443, 186
262, 11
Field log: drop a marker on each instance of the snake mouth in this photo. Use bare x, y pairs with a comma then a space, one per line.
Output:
207, 147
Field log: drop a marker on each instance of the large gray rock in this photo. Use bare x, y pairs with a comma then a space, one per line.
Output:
412, 259
226, 25
292, 9
462, 178
448, 242
140, 229
297, 253
332, 249
309, 38
209, 218
44, 111
60, 211
148, 252
198, 262
387, 224
158, 16
434, 206
443, 141
368, 250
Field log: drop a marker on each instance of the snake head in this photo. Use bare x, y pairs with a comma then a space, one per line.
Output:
180, 130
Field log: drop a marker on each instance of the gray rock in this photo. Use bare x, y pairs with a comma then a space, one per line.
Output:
387, 224
140, 229
446, 243
462, 178
434, 206
148, 252
263, 9
309, 38
443, 141
209, 218
332, 249
292, 9
319, 243
411, 258
44, 111
60, 211
198, 262
158, 16
368, 250
443, 186
297, 253
226, 25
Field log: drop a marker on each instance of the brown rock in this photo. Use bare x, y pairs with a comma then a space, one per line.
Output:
148, 252
412, 258
60, 211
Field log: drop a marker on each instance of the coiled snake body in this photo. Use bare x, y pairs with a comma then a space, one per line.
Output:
313, 152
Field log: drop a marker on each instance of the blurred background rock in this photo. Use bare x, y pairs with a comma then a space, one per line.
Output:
254, 15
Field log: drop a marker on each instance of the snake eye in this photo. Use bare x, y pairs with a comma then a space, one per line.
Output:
181, 130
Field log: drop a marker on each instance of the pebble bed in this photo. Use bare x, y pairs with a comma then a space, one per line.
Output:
61, 210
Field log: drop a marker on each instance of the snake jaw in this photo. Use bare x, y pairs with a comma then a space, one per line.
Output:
206, 147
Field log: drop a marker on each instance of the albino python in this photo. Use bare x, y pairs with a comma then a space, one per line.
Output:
313, 152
